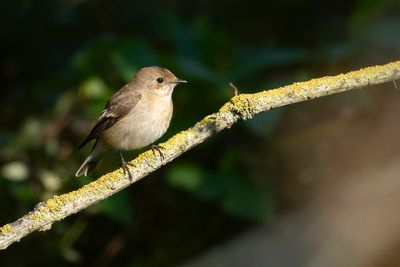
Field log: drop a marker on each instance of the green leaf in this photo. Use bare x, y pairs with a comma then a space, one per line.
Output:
94, 88
185, 176
118, 208
232, 192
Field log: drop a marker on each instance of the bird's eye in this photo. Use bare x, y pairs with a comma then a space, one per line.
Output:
160, 80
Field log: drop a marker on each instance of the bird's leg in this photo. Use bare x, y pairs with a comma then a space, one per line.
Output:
124, 166
157, 148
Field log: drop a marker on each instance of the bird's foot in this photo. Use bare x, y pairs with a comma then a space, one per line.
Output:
125, 167
157, 148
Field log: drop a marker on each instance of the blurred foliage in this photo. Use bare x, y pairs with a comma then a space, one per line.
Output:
62, 59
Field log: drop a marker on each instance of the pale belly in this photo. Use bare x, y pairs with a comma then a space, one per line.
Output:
140, 128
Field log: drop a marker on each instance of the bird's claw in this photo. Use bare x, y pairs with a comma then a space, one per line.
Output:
125, 168
157, 148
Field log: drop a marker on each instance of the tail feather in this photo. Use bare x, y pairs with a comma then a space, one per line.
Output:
87, 167
91, 161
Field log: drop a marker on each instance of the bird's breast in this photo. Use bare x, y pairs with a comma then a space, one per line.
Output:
142, 126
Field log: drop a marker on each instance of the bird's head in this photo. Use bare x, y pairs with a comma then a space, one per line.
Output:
157, 80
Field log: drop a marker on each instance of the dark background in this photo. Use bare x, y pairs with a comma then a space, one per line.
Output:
62, 59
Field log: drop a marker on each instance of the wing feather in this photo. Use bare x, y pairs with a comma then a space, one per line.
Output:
120, 104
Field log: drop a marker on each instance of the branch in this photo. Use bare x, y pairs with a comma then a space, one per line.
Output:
240, 107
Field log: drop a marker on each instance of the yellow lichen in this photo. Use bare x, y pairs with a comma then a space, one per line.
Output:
7, 229
53, 204
242, 105
177, 140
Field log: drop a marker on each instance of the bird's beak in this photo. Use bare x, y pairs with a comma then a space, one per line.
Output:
179, 81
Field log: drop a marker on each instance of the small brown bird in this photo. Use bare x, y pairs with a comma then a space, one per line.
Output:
135, 116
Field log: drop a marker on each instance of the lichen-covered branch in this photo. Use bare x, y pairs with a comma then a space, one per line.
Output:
240, 107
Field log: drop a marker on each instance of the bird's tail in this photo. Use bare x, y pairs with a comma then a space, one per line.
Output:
87, 167
91, 161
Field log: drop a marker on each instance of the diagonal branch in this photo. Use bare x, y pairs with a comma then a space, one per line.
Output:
240, 107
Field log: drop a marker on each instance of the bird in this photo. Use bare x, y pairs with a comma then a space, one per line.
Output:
136, 116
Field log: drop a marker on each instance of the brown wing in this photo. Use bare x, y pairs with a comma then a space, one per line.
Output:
119, 106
